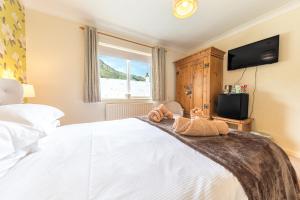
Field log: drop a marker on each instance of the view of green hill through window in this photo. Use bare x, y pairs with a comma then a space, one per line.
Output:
114, 78
107, 71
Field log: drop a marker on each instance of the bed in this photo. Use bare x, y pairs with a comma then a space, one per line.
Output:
123, 159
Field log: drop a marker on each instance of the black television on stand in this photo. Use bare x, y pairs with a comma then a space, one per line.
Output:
259, 53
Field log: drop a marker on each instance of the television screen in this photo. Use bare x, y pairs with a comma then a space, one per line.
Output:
258, 53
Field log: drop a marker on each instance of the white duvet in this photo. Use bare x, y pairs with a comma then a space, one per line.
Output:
127, 159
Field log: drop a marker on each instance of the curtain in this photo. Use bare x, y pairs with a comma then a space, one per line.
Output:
91, 68
158, 74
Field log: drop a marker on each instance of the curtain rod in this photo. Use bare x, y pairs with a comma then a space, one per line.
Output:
119, 38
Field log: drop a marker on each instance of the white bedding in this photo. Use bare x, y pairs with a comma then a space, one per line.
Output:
126, 159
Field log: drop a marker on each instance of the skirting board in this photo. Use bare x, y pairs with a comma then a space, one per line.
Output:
292, 153
288, 151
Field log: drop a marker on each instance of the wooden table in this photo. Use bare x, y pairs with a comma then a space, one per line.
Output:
242, 125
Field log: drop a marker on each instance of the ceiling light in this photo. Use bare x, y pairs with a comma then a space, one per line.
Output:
184, 8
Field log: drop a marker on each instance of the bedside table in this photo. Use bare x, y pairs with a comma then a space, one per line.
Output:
242, 125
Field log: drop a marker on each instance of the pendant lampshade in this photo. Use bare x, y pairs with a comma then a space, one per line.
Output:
184, 8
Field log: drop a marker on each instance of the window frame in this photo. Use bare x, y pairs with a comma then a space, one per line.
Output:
127, 97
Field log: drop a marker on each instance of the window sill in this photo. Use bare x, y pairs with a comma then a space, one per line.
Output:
137, 100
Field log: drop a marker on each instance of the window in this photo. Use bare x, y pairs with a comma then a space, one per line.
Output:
124, 73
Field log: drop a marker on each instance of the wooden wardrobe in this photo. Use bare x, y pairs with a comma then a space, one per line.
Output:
199, 79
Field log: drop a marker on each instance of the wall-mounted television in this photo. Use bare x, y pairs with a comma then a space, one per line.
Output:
258, 53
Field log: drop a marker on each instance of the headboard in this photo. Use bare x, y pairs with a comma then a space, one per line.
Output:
11, 92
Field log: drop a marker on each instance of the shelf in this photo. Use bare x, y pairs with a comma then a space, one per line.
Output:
242, 125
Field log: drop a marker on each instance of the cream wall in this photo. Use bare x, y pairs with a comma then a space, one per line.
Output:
55, 67
277, 100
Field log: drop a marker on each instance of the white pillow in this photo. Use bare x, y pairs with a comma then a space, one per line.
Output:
35, 115
16, 141
49, 128
15, 137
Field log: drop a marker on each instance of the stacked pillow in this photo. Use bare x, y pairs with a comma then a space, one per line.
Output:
41, 117
21, 127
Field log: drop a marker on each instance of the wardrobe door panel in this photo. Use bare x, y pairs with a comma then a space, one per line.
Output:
198, 70
179, 91
184, 85
206, 87
216, 81
187, 88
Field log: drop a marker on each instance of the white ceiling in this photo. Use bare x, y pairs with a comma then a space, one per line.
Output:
153, 19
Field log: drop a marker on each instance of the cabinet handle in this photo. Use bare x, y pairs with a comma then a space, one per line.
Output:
188, 90
206, 65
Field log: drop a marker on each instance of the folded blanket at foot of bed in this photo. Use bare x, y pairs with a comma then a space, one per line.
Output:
200, 127
262, 167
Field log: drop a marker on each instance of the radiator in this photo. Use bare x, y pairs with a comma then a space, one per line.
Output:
126, 110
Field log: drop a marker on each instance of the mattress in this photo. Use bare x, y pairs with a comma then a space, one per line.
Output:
124, 159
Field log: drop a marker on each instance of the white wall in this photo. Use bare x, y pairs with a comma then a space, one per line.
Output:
55, 60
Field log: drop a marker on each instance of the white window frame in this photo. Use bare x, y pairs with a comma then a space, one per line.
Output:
128, 97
